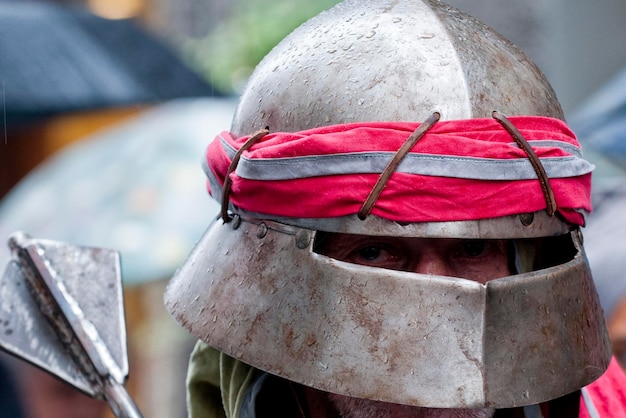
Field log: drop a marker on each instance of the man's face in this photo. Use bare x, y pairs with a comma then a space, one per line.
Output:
478, 260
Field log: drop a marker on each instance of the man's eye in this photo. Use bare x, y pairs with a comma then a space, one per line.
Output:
369, 253
473, 248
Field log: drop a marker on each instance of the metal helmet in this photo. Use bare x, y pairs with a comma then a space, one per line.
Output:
255, 287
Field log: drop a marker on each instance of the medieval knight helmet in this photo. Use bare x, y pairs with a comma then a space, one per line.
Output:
256, 288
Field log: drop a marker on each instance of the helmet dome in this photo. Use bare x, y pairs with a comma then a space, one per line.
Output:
390, 60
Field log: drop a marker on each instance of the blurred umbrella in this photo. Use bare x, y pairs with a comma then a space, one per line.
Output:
600, 124
137, 188
59, 59
605, 237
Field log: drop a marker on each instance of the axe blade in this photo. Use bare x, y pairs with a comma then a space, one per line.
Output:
61, 309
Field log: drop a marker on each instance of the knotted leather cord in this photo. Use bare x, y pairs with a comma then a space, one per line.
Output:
542, 176
256, 137
393, 164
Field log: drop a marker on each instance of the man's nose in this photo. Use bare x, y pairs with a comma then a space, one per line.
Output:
431, 263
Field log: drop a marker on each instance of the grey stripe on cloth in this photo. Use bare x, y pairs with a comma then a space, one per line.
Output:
544, 143
216, 187
422, 164
564, 146
591, 408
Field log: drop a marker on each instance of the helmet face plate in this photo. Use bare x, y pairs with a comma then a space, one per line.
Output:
255, 288
387, 335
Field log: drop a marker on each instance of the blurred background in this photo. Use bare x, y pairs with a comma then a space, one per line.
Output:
107, 106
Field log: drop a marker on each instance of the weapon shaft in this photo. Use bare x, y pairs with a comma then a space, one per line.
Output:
120, 401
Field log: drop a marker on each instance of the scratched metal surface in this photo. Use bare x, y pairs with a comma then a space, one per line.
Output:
396, 336
91, 276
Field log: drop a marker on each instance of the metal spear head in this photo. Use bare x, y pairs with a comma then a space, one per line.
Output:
61, 309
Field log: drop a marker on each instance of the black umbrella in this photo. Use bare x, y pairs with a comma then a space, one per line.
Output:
57, 59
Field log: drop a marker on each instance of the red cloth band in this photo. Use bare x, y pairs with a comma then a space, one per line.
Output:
407, 197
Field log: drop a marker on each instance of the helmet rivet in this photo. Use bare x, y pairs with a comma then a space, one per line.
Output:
526, 218
261, 230
303, 238
235, 222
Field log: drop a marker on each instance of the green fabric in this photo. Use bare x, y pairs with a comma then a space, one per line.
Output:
216, 383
